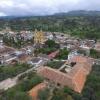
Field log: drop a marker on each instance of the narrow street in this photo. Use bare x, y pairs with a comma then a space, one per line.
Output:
10, 82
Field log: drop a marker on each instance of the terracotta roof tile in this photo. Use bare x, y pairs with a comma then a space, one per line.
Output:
56, 76
79, 59
53, 54
34, 91
75, 79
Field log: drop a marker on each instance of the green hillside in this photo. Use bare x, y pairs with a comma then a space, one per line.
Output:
82, 24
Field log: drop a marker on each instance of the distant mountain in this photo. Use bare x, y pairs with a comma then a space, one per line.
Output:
70, 13
14, 17
79, 13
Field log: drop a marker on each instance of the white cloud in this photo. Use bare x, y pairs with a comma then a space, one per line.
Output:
6, 3
29, 7
2, 14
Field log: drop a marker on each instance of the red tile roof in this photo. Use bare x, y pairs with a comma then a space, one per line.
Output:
53, 54
79, 80
55, 76
86, 62
34, 91
78, 59
75, 79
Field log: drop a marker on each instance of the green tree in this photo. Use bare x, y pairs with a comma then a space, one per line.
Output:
94, 54
21, 96
69, 98
51, 44
63, 54
43, 94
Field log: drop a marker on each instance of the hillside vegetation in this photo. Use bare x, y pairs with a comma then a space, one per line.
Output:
81, 24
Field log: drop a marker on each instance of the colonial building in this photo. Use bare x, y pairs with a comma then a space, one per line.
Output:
39, 37
75, 78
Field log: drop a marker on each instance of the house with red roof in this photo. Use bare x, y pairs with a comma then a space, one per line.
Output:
74, 79
53, 54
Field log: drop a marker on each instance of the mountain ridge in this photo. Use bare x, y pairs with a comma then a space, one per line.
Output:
70, 13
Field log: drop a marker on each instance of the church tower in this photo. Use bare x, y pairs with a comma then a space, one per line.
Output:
39, 37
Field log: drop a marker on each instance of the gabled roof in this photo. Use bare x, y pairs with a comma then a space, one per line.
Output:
78, 59
55, 76
75, 79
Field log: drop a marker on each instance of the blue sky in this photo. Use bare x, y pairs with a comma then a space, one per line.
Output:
42, 7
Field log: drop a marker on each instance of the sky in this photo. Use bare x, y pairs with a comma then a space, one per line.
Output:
44, 7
